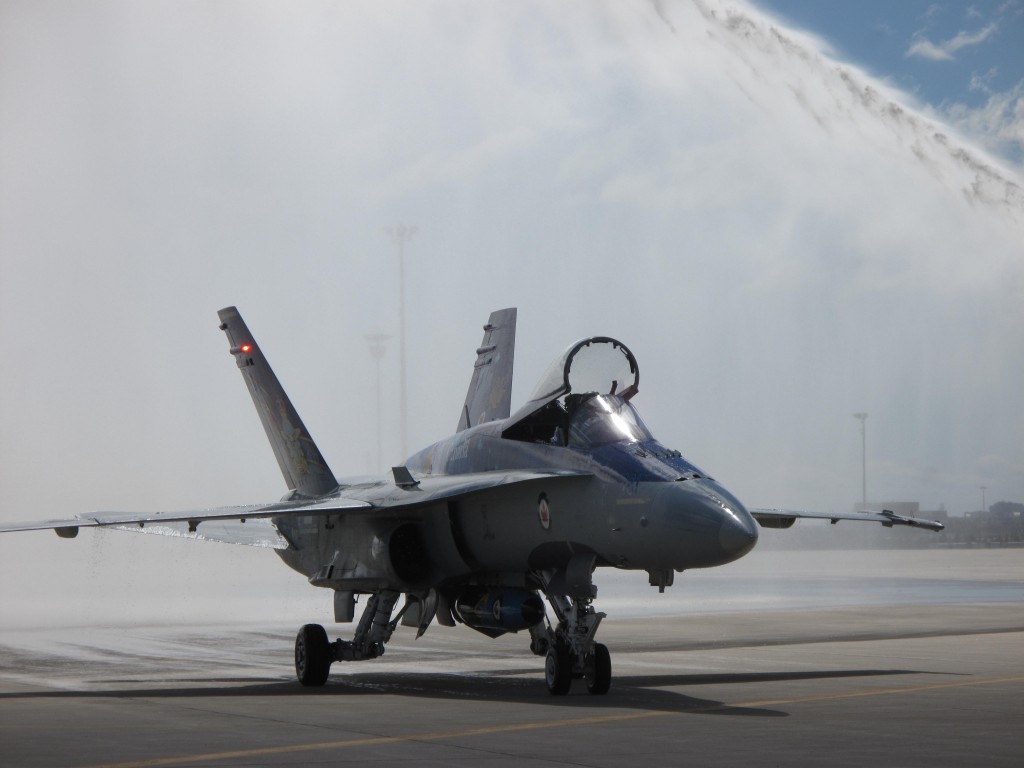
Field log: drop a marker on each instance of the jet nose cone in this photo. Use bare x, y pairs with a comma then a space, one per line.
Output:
738, 533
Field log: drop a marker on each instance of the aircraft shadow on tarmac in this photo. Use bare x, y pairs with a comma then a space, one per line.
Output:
642, 692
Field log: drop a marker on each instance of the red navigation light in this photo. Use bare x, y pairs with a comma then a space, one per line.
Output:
247, 348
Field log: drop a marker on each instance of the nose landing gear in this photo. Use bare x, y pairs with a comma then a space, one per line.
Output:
569, 650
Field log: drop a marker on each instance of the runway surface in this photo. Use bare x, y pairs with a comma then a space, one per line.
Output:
921, 676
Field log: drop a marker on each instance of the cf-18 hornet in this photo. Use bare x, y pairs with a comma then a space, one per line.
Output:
482, 528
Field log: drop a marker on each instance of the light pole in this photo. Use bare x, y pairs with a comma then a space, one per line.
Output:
863, 418
400, 235
376, 341
983, 489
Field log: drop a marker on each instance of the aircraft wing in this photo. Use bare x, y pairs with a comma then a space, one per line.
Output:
253, 532
250, 524
784, 518
253, 524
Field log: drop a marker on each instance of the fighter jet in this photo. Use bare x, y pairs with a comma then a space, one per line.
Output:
482, 528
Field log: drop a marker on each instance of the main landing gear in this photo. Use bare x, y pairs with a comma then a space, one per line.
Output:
569, 650
314, 654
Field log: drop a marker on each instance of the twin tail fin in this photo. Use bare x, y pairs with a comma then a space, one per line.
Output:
490, 390
301, 462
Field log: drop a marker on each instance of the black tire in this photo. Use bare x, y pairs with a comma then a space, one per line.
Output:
312, 655
558, 670
599, 671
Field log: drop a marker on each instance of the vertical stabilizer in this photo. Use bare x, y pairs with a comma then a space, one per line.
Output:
490, 390
301, 463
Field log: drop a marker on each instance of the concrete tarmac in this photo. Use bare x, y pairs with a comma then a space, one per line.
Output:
925, 683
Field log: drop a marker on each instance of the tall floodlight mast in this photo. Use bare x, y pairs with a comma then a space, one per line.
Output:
401, 234
376, 342
863, 418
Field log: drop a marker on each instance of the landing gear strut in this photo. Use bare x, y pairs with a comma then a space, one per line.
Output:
569, 650
314, 654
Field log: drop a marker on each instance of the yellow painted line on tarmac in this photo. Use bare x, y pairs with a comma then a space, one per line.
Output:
371, 741
377, 740
881, 691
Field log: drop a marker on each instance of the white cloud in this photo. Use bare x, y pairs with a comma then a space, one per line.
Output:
982, 82
926, 49
999, 123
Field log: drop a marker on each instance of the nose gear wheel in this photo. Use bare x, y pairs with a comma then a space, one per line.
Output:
569, 649
598, 670
558, 669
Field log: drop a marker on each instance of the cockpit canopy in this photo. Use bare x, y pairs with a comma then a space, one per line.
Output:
600, 419
598, 364
582, 399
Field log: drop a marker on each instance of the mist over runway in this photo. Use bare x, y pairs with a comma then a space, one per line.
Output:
915, 678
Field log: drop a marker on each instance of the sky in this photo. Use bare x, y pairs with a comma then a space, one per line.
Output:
962, 61
782, 236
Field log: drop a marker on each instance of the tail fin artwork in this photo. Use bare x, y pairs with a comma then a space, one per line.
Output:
301, 463
490, 390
